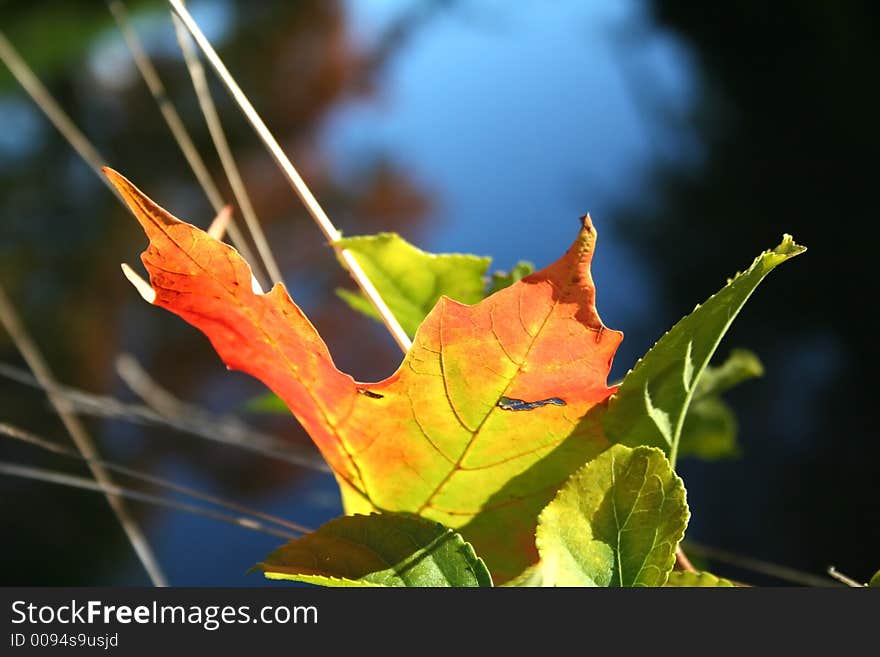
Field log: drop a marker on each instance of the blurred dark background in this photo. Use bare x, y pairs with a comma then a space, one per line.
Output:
694, 134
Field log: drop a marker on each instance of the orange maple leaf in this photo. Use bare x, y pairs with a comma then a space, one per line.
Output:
491, 410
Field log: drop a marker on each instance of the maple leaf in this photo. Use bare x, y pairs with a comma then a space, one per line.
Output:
492, 409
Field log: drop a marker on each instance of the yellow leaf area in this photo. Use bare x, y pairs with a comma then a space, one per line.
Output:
491, 410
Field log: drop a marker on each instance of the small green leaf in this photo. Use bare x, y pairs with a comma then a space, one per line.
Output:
379, 550
651, 404
710, 427
741, 365
410, 280
709, 431
616, 522
680, 578
875, 580
266, 403
503, 279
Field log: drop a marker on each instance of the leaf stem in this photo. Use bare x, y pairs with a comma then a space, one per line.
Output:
682, 561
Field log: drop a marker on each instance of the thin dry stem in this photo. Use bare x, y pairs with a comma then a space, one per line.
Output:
215, 127
160, 482
178, 130
221, 222
114, 491
38, 365
682, 562
59, 118
844, 579
227, 430
778, 571
292, 175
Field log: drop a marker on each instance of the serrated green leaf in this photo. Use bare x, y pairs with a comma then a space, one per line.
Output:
379, 550
651, 404
616, 522
410, 280
875, 580
680, 578
503, 279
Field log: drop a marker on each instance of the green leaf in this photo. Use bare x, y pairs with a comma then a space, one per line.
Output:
503, 279
680, 578
709, 431
410, 280
651, 404
875, 580
616, 522
379, 550
741, 365
266, 403
710, 426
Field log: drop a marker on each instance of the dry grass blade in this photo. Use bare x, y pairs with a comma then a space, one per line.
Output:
215, 127
179, 131
38, 365
59, 118
292, 175
160, 482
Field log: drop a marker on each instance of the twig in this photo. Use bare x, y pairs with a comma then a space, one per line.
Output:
53, 111
179, 131
220, 224
227, 430
36, 441
682, 562
296, 181
215, 127
38, 365
845, 579
115, 492
757, 565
